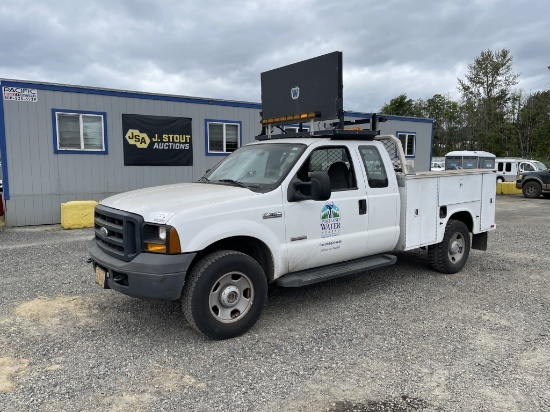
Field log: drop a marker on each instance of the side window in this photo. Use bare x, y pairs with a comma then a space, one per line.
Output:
79, 132
408, 141
499, 166
508, 167
376, 172
527, 167
333, 160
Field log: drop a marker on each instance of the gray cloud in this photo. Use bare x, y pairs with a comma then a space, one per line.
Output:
218, 48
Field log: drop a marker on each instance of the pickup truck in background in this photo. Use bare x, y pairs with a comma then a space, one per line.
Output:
294, 209
533, 184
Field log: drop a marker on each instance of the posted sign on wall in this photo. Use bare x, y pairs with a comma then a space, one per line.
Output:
19, 94
157, 140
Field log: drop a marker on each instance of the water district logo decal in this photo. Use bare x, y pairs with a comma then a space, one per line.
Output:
330, 220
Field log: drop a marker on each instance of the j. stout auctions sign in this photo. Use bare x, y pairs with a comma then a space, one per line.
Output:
157, 140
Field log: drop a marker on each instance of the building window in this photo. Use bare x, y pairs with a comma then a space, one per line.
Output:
408, 141
79, 132
222, 137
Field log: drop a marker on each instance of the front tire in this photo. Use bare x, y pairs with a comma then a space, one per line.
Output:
224, 295
451, 254
532, 190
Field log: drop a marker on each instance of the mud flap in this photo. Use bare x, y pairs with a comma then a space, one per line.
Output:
479, 241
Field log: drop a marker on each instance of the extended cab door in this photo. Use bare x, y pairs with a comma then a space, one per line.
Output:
323, 232
383, 201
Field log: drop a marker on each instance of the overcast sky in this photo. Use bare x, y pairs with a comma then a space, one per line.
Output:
217, 49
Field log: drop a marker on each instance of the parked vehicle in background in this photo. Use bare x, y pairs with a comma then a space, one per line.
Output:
508, 169
469, 159
533, 184
437, 164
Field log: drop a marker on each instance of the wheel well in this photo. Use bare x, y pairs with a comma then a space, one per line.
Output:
250, 246
531, 180
465, 218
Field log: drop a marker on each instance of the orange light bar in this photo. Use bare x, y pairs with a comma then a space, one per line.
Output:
301, 116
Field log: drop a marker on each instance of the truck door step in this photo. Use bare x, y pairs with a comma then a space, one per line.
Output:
337, 270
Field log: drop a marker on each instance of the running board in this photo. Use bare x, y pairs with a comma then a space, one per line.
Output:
337, 270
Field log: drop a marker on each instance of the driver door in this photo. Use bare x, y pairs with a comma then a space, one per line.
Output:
324, 232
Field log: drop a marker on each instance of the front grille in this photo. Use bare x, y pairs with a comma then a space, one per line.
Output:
118, 233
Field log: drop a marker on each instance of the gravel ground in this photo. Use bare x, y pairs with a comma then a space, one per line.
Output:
401, 338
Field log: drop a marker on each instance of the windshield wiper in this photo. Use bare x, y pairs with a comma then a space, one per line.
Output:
237, 183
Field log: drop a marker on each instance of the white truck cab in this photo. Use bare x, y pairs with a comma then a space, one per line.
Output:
294, 209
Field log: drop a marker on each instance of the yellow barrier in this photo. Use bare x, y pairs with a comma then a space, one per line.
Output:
78, 214
508, 188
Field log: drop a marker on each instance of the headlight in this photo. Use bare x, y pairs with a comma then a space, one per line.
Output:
160, 239
162, 232
520, 177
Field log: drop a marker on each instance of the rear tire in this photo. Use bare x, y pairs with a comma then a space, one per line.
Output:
531, 190
451, 254
500, 180
224, 294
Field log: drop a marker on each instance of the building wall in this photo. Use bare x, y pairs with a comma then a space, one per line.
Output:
37, 180
40, 180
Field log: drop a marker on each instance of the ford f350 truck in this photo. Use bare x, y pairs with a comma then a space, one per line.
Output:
290, 209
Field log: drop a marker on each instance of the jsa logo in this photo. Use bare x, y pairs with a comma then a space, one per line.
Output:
141, 140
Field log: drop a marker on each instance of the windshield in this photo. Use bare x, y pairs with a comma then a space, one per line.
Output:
540, 165
258, 167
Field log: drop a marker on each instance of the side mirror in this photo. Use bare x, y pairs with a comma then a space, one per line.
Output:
318, 188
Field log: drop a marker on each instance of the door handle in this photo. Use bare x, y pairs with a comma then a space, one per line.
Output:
363, 206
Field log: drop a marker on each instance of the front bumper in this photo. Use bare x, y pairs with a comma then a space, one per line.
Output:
147, 276
519, 184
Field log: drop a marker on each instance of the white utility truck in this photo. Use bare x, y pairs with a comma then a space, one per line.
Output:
294, 209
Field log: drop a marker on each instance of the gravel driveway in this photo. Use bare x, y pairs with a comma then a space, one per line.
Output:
400, 338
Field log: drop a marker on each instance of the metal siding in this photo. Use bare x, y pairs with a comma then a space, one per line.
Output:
423, 131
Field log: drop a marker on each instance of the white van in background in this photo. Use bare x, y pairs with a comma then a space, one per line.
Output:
508, 169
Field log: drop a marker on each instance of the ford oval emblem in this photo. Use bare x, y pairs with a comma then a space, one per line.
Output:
104, 232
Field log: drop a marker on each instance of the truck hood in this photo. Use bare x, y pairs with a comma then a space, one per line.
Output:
158, 204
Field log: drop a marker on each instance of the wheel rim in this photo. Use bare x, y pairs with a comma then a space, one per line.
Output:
231, 297
530, 190
456, 248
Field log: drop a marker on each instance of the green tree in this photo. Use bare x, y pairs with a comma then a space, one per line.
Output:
446, 116
402, 106
534, 125
487, 99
